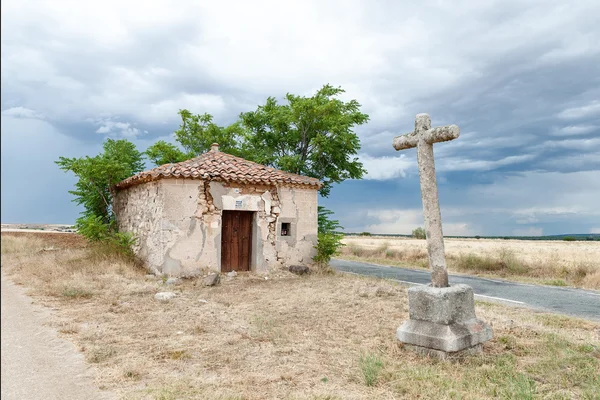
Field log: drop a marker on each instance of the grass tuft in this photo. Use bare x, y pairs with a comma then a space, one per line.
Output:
76, 293
370, 368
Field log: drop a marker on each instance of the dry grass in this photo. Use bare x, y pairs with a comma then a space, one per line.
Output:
288, 337
557, 263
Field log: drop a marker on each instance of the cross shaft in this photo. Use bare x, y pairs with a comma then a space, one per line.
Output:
423, 138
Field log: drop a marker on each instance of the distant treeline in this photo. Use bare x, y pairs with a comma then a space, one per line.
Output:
573, 237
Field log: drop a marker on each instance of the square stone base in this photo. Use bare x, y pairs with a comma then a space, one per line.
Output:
443, 320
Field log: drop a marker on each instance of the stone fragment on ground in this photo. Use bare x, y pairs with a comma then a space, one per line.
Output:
212, 279
173, 281
231, 274
164, 296
299, 269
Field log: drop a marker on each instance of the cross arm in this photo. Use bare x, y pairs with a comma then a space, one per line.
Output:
407, 141
435, 135
441, 134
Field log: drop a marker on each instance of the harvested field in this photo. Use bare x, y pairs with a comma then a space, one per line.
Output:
51, 239
558, 263
285, 337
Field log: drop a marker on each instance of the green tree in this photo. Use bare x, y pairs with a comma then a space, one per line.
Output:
162, 152
312, 136
197, 132
96, 176
327, 225
419, 233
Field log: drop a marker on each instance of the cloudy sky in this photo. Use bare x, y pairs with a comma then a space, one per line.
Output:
521, 79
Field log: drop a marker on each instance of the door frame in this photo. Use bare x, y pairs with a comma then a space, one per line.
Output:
252, 243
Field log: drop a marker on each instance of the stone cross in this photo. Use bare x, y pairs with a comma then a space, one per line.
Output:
423, 139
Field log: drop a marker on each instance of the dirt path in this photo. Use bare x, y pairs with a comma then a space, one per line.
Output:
36, 363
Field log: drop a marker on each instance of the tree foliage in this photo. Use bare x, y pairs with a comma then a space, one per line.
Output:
312, 136
96, 176
419, 233
162, 152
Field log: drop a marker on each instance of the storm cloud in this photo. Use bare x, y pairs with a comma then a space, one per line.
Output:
522, 80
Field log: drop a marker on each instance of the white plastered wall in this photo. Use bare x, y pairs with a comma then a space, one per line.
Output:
178, 223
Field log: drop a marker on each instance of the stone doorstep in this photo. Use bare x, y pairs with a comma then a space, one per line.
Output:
447, 338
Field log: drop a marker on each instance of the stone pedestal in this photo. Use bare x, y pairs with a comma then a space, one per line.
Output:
442, 322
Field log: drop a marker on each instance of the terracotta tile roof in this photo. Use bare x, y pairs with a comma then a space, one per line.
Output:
218, 166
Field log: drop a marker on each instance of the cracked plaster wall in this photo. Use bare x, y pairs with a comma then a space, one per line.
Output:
178, 223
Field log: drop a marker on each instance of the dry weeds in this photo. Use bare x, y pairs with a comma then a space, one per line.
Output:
287, 337
558, 263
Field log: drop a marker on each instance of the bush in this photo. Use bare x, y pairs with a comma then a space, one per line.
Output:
419, 233
364, 234
95, 230
330, 241
329, 245
569, 239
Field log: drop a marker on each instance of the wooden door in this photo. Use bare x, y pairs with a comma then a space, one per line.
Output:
236, 241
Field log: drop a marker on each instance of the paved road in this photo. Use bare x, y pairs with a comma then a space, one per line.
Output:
575, 302
36, 364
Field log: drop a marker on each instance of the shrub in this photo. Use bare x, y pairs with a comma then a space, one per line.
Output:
95, 230
329, 239
364, 234
569, 239
419, 233
328, 246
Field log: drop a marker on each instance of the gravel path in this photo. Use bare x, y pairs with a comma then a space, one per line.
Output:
36, 363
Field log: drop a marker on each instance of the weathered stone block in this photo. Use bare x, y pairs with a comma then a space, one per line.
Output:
447, 338
441, 305
212, 279
443, 319
299, 269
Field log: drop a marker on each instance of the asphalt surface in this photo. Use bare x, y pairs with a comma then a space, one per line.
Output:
568, 301
36, 363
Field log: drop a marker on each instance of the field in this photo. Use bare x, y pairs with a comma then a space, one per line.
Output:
559, 263
324, 336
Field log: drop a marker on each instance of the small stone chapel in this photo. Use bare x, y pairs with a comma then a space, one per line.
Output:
220, 212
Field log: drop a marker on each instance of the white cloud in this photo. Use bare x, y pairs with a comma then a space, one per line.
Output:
382, 168
545, 196
21, 112
532, 231
576, 130
574, 144
587, 110
104, 59
117, 129
465, 164
398, 221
